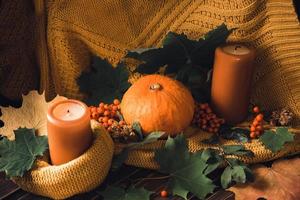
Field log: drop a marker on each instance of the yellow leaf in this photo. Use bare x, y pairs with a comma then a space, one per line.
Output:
32, 114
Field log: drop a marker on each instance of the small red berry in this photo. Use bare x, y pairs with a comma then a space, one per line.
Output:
106, 106
105, 119
252, 135
122, 122
93, 109
164, 193
256, 109
110, 122
100, 110
95, 115
259, 117
257, 133
105, 124
116, 102
106, 113
101, 105
255, 123
114, 108
259, 128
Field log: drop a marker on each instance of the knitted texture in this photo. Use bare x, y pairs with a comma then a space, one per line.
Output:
110, 28
144, 156
18, 70
77, 176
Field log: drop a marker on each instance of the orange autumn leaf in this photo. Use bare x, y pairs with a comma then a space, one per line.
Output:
281, 181
32, 114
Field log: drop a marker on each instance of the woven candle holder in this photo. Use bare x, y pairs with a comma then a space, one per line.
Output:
77, 176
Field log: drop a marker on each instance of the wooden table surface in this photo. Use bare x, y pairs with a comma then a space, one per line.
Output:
125, 176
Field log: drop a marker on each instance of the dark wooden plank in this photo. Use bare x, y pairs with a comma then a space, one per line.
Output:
126, 176
15, 195
7, 187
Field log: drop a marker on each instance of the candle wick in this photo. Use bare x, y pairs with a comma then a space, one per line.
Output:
237, 47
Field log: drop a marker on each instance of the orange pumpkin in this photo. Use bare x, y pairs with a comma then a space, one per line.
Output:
158, 103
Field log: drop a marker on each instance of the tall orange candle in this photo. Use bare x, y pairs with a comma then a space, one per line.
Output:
69, 130
231, 81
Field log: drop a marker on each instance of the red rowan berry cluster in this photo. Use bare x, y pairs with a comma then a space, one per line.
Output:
206, 119
256, 128
109, 116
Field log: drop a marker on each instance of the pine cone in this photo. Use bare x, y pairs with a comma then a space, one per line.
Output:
286, 117
123, 134
281, 117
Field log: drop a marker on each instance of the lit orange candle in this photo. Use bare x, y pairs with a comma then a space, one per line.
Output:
69, 130
231, 81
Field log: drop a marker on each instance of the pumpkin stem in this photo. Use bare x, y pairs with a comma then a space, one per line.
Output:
155, 86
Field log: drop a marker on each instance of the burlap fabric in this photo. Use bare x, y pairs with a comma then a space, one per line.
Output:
77, 176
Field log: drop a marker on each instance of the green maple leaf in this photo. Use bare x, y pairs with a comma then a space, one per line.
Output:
178, 189
190, 60
238, 150
192, 177
18, 156
175, 150
179, 51
212, 158
104, 83
117, 193
236, 172
275, 140
203, 54
187, 171
121, 158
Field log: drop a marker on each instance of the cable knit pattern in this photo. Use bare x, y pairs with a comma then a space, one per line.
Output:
109, 28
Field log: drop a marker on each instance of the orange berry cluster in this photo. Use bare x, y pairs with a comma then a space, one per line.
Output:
256, 128
108, 115
206, 119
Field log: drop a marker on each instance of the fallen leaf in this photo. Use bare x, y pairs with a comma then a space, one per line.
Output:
275, 141
187, 171
32, 114
121, 158
103, 83
281, 181
18, 156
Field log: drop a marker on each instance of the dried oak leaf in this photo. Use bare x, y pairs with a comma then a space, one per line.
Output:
32, 114
281, 181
